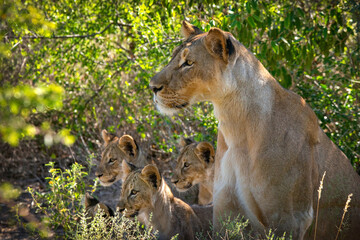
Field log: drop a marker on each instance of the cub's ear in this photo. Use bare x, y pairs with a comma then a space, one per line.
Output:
150, 174
218, 44
128, 145
127, 168
107, 137
183, 142
205, 152
188, 30
90, 201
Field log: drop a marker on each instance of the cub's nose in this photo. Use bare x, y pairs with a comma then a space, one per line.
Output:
156, 89
174, 181
120, 209
99, 175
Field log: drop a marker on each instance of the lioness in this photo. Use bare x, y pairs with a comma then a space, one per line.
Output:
144, 192
116, 150
195, 165
271, 152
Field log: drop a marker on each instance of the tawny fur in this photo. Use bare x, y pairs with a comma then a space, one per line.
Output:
271, 152
125, 149
195, 165
116, 150
145, 192
92, 206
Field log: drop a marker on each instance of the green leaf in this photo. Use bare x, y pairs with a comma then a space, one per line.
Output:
275, 47
251, 22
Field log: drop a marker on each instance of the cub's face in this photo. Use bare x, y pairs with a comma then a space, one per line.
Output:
193, 164
194, 69
92, 206
110, 168
138, 189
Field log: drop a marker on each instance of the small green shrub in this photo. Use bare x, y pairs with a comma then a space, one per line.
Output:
117, 227
62, 203
65, 213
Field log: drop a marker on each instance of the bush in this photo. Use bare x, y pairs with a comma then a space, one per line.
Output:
61, 204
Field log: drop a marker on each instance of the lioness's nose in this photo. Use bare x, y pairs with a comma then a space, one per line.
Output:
156, 89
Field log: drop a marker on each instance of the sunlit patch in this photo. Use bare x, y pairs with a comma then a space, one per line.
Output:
166, 110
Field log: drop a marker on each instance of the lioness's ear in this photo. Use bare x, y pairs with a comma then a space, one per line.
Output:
219, 44
127, 168
150, 173
205, 152
128, 145
107, 137
185, 141
188, 29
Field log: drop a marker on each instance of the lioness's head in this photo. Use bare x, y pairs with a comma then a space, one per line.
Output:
196, 67
92, 206
116, 150
137, 190
193, 164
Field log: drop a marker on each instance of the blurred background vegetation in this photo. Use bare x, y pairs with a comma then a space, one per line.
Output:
70, 68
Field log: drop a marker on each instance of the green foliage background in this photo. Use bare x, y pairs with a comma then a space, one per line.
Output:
70, 68
73, 67
98, 57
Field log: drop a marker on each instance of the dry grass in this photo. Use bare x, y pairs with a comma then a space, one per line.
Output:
318, 203
347, 205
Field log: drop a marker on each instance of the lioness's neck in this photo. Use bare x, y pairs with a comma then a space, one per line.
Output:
246, 97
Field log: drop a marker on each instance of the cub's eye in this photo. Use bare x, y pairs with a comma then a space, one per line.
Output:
186, 164
111, 160
187, 63
133, 192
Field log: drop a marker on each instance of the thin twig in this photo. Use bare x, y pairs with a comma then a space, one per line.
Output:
43, 184
71, 36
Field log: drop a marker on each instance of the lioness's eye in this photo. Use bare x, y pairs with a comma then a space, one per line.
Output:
187, 63
111, 160
186, 164
133, 192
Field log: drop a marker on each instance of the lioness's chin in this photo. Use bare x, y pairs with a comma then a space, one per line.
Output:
166, 110
169, 110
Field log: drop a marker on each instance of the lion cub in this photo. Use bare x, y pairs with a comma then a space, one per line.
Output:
92, 206
116, 150
195, 165
144, 192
